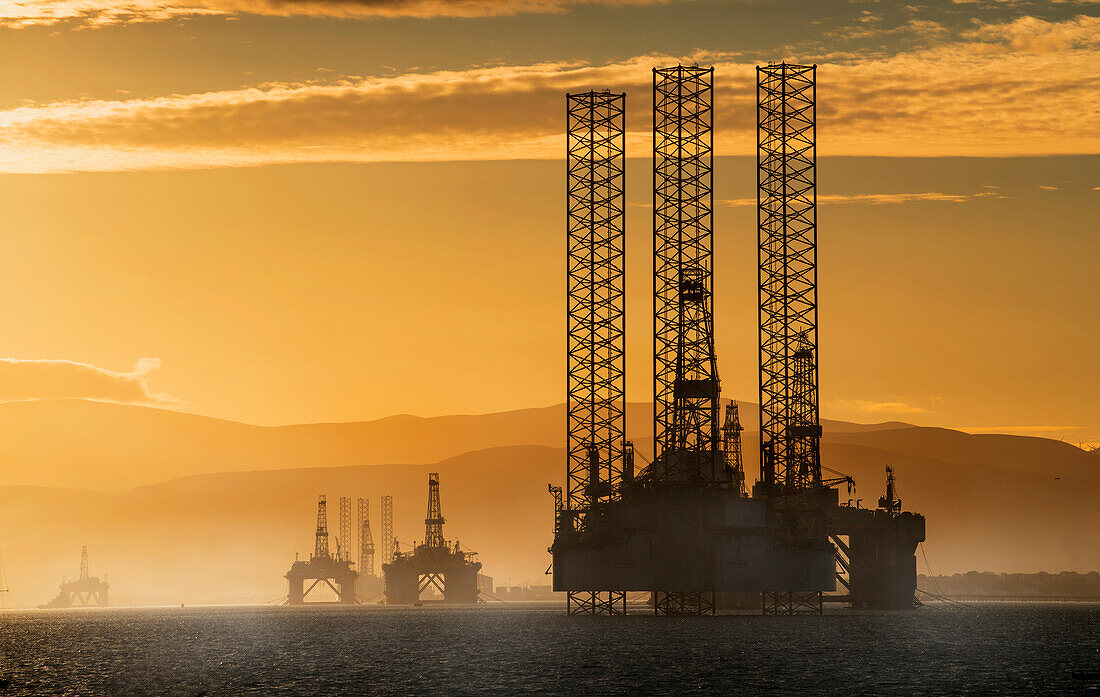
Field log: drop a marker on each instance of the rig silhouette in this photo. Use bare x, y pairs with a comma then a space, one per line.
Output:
323, 567
85, 590
683, 528
434, 566
351, 582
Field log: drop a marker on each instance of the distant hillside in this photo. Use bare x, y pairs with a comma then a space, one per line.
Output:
183, 508
230, 537
113, 447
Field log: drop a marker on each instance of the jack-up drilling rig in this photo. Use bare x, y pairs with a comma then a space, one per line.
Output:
434, 565
322, 568
684, 529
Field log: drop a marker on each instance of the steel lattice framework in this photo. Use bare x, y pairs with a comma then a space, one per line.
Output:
790, 432
387, 529
595, 304
731, 447
320, 547
84, 573
686, 390
433, 522
366, 540
346, 531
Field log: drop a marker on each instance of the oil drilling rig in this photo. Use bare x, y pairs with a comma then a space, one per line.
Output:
434, 567
323, 568
85, 590
684, 528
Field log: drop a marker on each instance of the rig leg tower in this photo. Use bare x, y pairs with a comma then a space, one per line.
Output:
595, 327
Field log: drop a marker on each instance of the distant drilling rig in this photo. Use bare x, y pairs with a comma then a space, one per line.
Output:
85, 590
349, 571
323, 568
434, 567
684, 528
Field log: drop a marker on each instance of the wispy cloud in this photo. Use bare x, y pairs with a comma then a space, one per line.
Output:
1034, 35
981, 98
35, 379
873, 407
875, 199
105, 12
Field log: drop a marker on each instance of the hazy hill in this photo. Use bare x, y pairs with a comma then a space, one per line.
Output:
183, 508
229, 537
113, 447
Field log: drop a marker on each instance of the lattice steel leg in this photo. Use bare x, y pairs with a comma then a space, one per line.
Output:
683, 603
791, 602
595, 603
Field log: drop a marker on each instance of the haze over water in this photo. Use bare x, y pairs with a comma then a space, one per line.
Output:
990, 649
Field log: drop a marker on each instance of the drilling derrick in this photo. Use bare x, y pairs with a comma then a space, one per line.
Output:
367, 585
387, 530
433, 523
345, 543
366, 541
731, 447
320, 547
434, 566
322, 568
686, 386
595, 321
790, 432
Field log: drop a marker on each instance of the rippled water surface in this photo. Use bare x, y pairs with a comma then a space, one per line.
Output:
990, 650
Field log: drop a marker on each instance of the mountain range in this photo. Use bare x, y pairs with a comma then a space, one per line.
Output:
182, 508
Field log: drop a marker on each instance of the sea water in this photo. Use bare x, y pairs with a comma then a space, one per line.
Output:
986, 649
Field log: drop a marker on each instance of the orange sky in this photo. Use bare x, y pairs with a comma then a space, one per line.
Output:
282, 212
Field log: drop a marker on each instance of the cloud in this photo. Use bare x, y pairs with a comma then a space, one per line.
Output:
875, 199
963, 98
1034, 35
24, 380
918, 28
105, 12
878, 407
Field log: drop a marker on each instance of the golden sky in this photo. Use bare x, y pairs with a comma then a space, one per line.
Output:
334, 210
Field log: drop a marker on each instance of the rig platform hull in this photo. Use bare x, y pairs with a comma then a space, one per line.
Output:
880, 555
713, 541
695, 540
